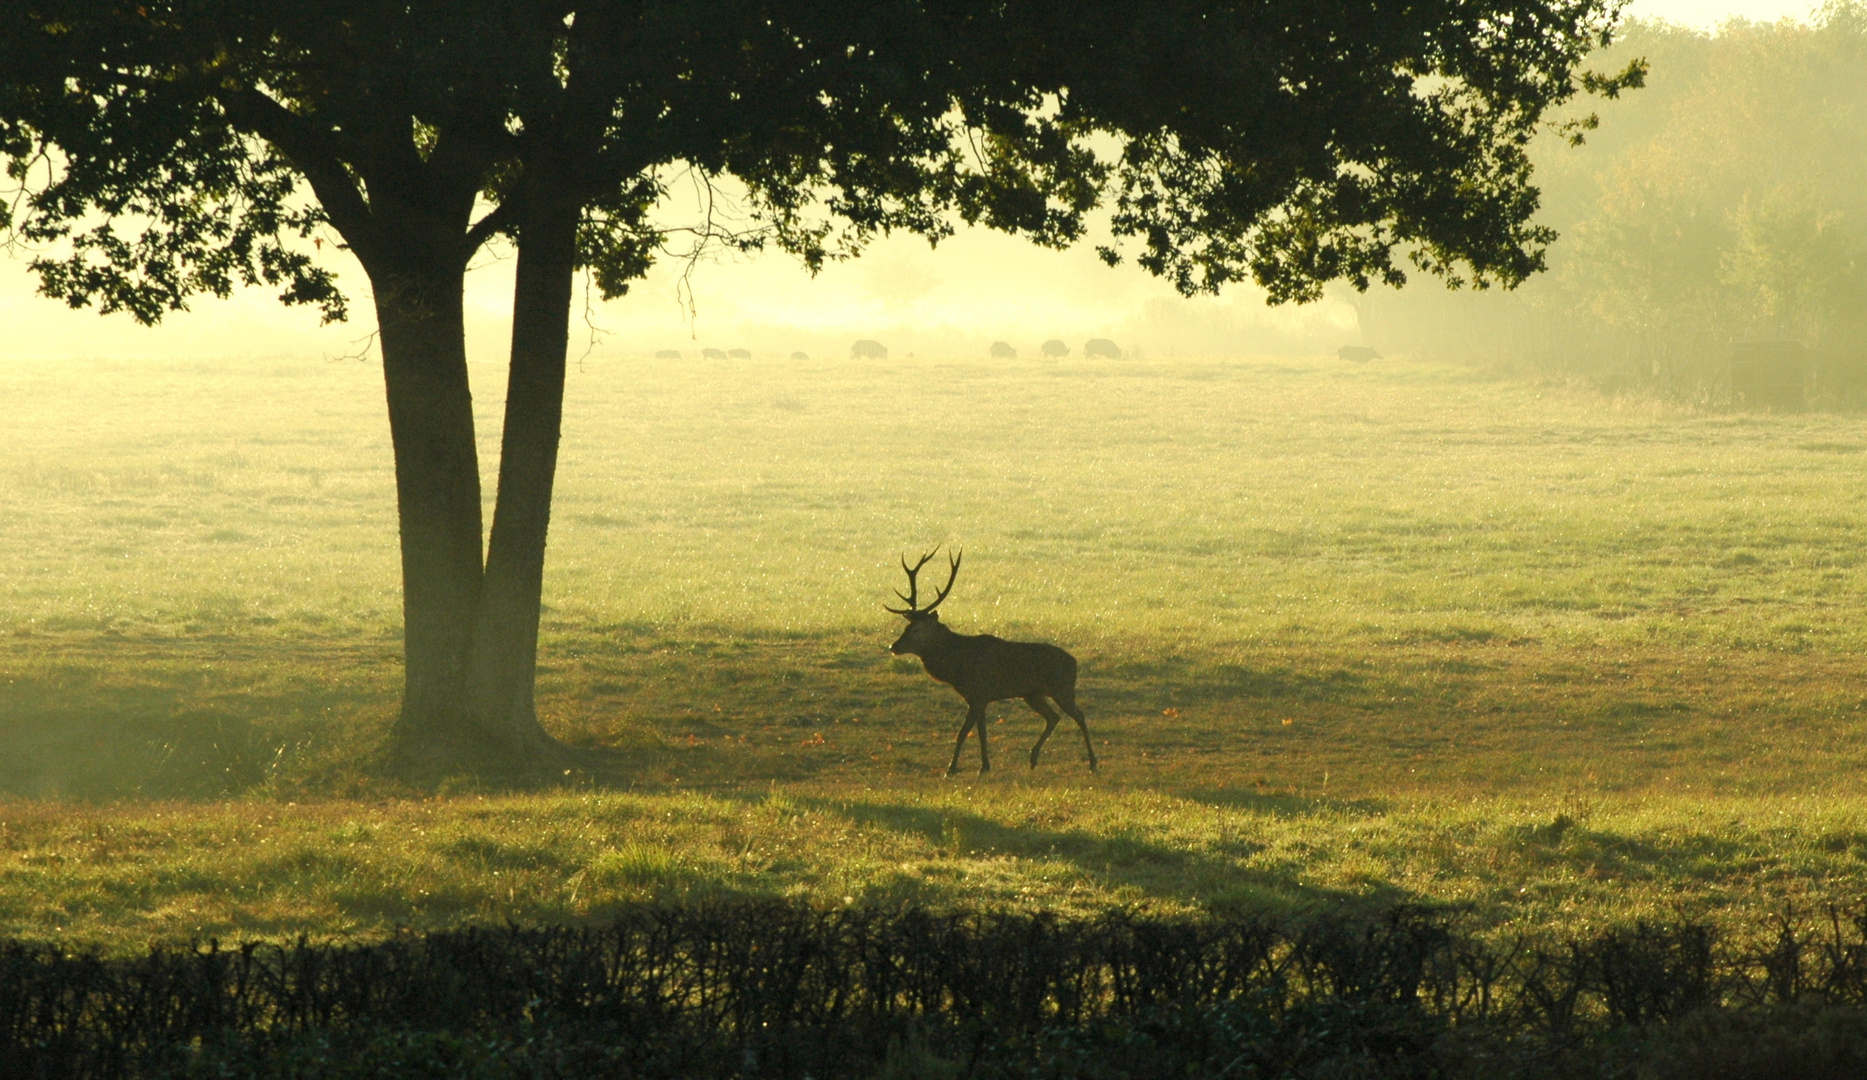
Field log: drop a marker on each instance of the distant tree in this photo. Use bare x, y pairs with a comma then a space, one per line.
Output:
176, 147
1739, 211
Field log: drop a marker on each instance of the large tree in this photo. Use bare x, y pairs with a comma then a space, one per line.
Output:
173, 147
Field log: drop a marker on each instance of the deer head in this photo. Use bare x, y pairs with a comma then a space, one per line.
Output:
923, 623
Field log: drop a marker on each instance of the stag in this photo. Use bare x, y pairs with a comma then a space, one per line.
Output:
985, 669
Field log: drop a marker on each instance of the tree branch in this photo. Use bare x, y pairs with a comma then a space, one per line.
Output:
315, 153
502, 217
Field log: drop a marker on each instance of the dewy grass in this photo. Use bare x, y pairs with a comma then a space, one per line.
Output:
126, 875
1377, 630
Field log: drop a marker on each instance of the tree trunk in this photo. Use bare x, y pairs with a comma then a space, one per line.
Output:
419, 317
470, 629
504, 661
470, 626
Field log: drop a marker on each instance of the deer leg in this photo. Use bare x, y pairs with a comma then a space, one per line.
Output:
1067, 699
985, 755
1037, 702
975, 717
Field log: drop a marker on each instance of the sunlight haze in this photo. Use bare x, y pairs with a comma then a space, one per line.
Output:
1465, 677
977, 287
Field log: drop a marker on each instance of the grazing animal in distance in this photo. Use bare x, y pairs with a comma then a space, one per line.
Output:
668, 354
712, 354
868, 350
1360, 354
1002, 350
800, 355
1055, 347
739, 354
984, 669
1102, 347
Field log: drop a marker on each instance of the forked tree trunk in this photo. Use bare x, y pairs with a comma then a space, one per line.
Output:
470, 627
504, 661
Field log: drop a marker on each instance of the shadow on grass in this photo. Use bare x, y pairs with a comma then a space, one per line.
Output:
1560, 846
184, 718
1212, 876
1141, 683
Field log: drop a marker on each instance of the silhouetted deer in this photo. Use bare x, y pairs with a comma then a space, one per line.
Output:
985, 669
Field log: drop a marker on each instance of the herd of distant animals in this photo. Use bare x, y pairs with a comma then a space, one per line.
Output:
1094, 348
1054, 349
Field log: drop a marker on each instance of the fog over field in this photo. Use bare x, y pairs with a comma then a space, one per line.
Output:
977, 287
1528, 603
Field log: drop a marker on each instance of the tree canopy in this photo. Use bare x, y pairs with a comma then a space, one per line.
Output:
169, 149
1361, 128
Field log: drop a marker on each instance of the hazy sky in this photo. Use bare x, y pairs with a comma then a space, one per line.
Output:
975, 288
1709, 13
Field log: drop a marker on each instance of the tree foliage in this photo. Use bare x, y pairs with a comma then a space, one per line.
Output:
1743, 212
168, 146
1721, 204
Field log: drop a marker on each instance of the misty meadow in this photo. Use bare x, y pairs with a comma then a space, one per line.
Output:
1474, 675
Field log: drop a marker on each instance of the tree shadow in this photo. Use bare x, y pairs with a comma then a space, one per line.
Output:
1213, 877
183, 718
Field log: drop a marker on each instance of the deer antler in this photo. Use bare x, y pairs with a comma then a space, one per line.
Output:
914, 588
953, 561
914, 592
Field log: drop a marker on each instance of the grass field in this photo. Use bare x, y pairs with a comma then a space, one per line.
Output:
1396, 630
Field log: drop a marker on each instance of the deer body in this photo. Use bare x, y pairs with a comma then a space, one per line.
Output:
984, 669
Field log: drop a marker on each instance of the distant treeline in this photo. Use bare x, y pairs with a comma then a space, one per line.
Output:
779, 990
1722, 204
